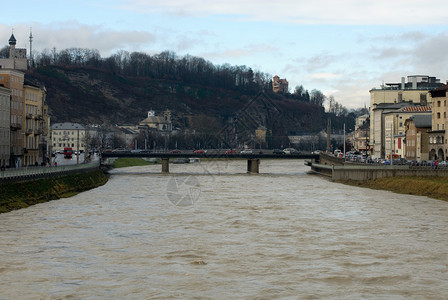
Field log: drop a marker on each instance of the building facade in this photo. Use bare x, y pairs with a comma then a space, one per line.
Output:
361, 135
438, 144
68, 135
5, 126
35, 147
17, 57
13, 79
417, 137
416, 91
159, 123
395, 127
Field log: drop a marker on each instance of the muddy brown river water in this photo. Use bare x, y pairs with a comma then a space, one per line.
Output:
210, 231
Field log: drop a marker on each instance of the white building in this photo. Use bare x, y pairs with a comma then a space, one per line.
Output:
67, 134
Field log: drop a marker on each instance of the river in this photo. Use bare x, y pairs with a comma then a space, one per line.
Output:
211, 231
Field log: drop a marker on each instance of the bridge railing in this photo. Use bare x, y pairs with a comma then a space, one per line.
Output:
34, 172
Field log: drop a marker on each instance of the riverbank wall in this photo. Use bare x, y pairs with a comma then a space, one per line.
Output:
336, 169
17, 194
373, 172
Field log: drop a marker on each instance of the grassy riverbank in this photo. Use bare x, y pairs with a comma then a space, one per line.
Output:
18, 195
431, 186
131, 162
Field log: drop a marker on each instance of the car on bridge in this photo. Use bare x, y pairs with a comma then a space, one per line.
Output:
201, 151
246, 151
175, 151
278, 152
230, 151
290, 151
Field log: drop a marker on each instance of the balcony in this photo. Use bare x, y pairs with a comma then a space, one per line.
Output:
39, 131
16, 126
29, 116
29, 131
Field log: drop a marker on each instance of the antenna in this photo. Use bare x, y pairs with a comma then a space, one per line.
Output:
31, 47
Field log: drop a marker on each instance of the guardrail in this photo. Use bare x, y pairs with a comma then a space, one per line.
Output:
31, 173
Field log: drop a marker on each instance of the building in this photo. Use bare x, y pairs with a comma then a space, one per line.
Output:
128, 135
395, 130
71, 135
437, 140
159, 123
362, 134
14, 79
280, 85
417, 137
416, 91
36, 129
17, 59
5, 125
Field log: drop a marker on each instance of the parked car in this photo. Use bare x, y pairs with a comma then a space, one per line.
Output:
201, 151
443, 164
290, 151
246, 151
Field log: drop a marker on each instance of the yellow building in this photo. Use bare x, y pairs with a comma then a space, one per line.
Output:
159, 123
438, 144
389, 97
13, 79
280, 85
395, 127
35, 146
5, 125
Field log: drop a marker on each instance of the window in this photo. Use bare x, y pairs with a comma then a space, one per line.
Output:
438, 116
438, 103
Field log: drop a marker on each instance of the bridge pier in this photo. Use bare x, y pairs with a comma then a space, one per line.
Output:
165, 165
253, 166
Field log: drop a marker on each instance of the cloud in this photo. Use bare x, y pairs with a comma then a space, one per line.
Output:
345, 12
71, 34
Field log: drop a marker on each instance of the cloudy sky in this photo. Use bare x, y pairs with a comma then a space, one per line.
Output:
341, 47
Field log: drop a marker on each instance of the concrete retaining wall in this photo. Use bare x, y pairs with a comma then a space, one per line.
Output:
369, 172
329, 159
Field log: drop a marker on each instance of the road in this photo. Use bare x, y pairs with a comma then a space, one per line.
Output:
61, 161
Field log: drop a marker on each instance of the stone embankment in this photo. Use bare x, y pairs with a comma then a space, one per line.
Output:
421, 181
336, 169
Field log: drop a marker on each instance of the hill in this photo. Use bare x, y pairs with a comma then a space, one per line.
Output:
95, 96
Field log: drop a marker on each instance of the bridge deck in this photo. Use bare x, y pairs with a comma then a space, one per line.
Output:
210, 156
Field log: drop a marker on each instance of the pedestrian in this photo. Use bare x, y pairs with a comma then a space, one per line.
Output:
55, 163
436, 163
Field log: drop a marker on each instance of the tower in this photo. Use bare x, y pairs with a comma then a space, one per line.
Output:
31, 49
12, 47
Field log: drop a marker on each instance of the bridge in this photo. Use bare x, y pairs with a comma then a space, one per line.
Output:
253, 159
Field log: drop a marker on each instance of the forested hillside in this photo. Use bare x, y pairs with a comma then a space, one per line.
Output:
83, 87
